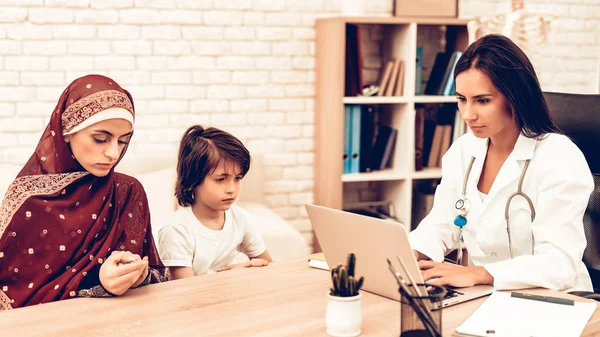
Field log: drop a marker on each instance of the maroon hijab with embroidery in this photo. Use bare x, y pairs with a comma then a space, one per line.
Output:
58, 222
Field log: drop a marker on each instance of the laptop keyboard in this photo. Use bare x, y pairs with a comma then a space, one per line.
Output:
449, 294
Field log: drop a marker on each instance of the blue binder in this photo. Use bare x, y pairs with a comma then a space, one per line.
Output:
355, 139
347, 134
450, 86
419, 72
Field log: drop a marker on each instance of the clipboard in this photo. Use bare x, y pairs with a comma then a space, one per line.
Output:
503, 315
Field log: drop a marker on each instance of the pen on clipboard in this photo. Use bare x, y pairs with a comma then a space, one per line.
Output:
549, 299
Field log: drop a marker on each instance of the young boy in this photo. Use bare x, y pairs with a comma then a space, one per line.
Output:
207, 233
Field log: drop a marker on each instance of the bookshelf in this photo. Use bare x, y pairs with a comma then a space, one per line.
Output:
396, 37
399, 99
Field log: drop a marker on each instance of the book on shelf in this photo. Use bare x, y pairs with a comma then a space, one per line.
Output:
419, 130
436, 145
367, 131
460, 127
450, 85
433, 137
441, 78
353, 67
439, 145
392, 78
355, 137
383, 147
428, 131
389, 91
400, 80
347, 137
385, 78
359, 124
386, 160
419, 72
368, 145
437, 73
446, 141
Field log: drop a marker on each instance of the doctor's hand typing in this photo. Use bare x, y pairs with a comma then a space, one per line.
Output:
454, 275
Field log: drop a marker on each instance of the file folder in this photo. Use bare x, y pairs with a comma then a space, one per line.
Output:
355, 139
347, 136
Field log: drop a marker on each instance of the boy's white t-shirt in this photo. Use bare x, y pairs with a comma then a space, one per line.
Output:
185, 242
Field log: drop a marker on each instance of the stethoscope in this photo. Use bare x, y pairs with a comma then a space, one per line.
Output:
463, 205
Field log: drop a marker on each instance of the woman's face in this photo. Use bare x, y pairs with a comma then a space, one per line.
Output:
99, 146
482, 106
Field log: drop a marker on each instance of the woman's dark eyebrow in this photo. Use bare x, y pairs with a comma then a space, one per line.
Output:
477, 96
110, 134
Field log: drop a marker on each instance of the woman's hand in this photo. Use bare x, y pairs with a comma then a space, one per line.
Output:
142, 277
454, 275
121, 271
256, 262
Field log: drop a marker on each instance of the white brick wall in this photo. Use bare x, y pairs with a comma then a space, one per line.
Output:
244, 65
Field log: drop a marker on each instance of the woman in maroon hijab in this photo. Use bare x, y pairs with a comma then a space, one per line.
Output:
69, 225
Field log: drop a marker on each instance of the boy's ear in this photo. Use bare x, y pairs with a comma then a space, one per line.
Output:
67, 138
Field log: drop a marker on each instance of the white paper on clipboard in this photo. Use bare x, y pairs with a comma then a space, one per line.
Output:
502, 315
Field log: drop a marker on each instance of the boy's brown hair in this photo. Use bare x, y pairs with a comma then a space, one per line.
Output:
200, 152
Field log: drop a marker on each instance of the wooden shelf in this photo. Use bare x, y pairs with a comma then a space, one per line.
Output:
376, 100
435, 99
428, 173
381, 175
399, 99
390, 174
396, 20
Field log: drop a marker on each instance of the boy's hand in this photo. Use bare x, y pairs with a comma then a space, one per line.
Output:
251, 263
259, 262
236, 266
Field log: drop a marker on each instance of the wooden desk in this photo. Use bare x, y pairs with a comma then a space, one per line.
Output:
283, 299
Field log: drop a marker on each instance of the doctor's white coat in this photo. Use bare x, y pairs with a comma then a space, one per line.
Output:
559, 183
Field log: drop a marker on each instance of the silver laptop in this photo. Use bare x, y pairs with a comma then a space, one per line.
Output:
373, 241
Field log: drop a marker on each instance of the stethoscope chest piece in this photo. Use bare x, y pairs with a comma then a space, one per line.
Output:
460, 221
462, 205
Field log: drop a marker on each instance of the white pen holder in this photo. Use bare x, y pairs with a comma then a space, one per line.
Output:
344, 316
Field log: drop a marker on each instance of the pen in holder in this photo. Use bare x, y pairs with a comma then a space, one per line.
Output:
421, 316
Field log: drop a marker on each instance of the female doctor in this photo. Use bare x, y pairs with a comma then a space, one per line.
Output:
513, 164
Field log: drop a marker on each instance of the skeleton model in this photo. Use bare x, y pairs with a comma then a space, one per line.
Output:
529, 31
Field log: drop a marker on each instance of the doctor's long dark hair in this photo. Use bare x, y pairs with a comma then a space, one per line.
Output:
512, 73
